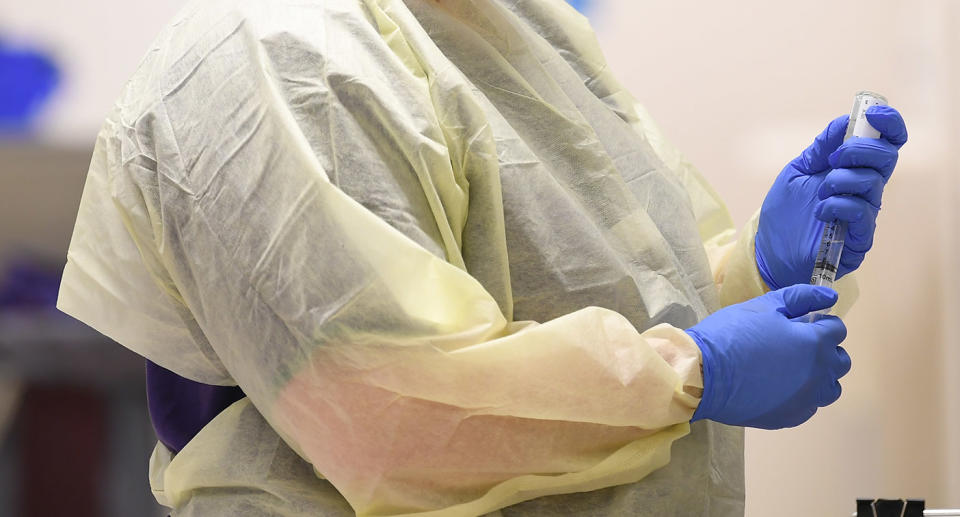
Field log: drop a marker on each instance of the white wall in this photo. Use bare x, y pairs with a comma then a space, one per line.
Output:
96, 43
742, 87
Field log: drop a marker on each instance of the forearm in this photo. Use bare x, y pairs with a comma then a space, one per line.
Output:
575, 404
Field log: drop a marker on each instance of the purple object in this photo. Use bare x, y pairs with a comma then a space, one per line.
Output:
26, 285
179, 407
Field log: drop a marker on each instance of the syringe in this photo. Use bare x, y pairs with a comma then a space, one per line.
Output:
831, 243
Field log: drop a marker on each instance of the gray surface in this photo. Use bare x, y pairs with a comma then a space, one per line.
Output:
131, 440
40, 189
9, 481
47, 345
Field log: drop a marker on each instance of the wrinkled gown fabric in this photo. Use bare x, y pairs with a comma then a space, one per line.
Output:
444, 254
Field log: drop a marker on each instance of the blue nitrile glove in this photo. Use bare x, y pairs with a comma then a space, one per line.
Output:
766, 366
828, 181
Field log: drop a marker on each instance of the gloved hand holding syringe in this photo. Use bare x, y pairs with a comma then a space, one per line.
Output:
836, 178
831, 243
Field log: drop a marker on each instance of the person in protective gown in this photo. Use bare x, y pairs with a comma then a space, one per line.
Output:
428, 257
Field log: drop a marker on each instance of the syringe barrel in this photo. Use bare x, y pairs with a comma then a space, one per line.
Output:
831, 244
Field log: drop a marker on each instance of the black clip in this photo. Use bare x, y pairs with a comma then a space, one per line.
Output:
890, 507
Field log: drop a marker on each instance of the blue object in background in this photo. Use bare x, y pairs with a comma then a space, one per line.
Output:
580, 5
27, 78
